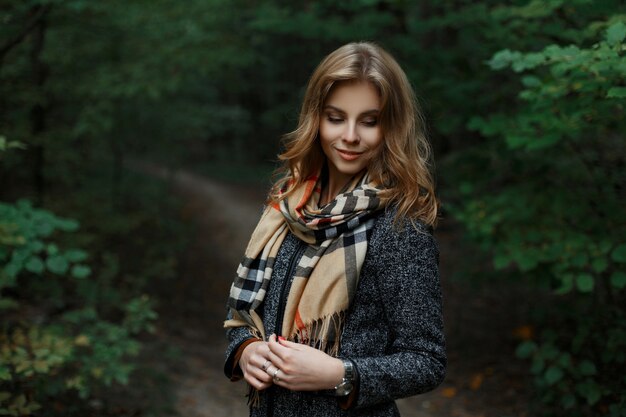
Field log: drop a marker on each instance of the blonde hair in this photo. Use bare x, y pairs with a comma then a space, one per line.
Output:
402, 164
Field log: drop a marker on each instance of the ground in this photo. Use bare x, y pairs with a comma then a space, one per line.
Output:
483, 321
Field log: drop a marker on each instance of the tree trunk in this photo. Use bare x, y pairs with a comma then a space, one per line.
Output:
38, 111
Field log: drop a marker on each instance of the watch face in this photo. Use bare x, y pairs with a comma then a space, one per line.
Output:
344, 388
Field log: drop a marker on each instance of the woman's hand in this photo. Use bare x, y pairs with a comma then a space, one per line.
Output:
254, 363
301, 367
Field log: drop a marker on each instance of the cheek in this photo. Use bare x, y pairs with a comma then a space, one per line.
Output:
327, 131
375, 139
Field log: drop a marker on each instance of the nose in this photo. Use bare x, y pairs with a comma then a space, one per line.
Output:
350, 133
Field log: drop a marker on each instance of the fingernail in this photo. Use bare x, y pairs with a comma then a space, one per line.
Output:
281, 338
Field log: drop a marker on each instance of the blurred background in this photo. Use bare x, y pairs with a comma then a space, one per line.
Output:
137, 141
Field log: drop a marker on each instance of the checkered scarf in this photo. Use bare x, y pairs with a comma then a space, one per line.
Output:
326, 276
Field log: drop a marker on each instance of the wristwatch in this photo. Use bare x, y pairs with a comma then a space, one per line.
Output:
347, 383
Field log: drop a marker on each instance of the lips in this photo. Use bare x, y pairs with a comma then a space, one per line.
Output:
348, 155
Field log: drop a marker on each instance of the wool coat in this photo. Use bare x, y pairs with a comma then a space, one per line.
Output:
393, 331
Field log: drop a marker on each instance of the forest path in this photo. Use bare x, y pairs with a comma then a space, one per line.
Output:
482, 380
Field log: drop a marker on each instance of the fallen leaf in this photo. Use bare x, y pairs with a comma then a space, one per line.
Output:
525, 332
477, 381
448, 392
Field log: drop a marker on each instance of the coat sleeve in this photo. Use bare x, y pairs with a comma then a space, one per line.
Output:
238, 337
407, 282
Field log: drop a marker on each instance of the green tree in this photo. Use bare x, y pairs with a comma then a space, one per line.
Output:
550, 204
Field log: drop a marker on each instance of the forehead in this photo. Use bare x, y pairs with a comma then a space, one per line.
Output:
353, 97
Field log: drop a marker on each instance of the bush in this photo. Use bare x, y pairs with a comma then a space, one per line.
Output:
54, 342
548, 202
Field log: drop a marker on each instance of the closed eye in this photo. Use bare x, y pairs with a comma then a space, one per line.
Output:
370, 122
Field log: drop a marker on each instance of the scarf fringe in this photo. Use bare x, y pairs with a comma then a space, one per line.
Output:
254, 397
323, 334
254, 332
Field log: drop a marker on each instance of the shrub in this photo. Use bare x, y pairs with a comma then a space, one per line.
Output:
54, 342
549, 204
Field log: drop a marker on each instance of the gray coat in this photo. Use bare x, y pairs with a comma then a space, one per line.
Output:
393, 332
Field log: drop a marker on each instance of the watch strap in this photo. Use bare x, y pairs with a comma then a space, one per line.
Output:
348, 368
347, 382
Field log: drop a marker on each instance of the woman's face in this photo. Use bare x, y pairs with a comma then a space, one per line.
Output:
350, 132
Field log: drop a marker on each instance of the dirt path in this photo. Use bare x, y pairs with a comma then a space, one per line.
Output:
482, 379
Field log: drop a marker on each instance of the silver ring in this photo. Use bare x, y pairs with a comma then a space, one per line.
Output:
275, 377
264, 367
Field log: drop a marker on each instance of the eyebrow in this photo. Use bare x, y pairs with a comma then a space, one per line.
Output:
338, 110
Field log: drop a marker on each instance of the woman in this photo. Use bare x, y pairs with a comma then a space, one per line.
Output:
336, 307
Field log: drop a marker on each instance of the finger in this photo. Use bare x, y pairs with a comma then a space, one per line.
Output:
257, 372
281, 379
280, 357
276, 348
272, 370
264, 363
278, 376
276, 360
256, 383
288, 344
263, 349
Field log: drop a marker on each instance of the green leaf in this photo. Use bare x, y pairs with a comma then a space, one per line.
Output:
8, 304
567, 283
616, 92
68, 225
35, 265
587, 368
503, 59
75, 255
52, 249
5, 374
12, 269
515, 141
619, 253
81, 271
525, 349
501, 261
537, 366
5, 144
531, 81
618, 279
599, 264
57, 264
568, 400
528, 61
584, 282
616, 33
41, 366
553, 375
589, 390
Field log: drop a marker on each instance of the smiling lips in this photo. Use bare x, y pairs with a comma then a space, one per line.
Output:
348, 155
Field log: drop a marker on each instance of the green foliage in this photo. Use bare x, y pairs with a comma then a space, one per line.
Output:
6, 144
571, 374
549, 202
54, 341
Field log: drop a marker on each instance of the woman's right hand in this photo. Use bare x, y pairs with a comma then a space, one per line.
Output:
253, 359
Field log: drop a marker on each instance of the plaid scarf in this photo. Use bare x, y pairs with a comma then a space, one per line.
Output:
326, 276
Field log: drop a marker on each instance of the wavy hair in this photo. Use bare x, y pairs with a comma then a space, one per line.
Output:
401, 166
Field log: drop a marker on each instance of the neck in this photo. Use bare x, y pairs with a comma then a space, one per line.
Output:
332, 185
333, 188
330, 191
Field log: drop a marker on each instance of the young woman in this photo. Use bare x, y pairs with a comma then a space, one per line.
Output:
336, 307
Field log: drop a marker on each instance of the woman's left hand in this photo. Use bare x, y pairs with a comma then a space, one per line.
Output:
302, 367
